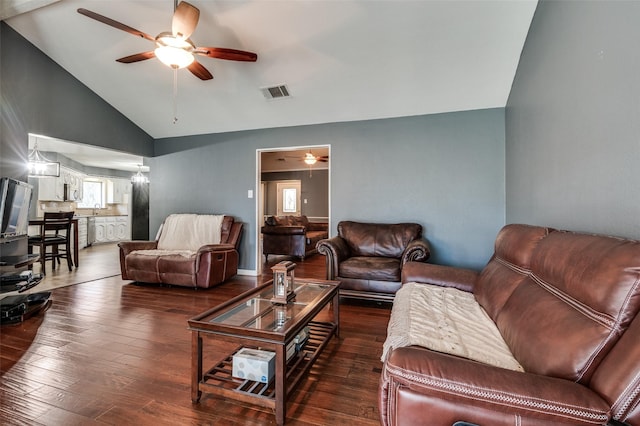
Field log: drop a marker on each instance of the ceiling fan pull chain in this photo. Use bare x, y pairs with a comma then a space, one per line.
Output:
175, 95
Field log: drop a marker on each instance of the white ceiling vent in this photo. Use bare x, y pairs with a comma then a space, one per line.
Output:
275, 92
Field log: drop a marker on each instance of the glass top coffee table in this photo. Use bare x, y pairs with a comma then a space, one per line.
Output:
252, 321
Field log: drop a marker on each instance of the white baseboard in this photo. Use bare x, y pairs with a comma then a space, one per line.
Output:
249, 272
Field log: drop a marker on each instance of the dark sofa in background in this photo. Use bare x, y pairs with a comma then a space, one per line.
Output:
291, 236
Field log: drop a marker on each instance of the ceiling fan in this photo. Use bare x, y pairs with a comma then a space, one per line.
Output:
311, 159
174, 48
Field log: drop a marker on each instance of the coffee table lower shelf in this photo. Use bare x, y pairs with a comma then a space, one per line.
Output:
219, 380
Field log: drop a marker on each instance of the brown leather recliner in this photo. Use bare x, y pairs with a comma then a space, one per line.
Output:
203, 266
291, 236
367, 258
567, 306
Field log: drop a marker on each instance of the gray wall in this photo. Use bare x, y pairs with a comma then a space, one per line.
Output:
38, 96
314, 187
444, 171
573, 120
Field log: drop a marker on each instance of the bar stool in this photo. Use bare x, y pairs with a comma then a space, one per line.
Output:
55, 232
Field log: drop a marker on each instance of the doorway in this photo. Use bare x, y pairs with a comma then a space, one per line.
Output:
284, 171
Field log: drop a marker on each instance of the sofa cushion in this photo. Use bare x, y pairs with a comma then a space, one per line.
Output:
190, 231
374, 239
580, 296
371, 268
446, 320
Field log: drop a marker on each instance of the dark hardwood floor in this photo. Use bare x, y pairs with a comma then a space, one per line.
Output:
110, 351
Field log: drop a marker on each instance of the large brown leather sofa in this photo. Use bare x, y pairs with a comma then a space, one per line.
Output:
367, 258
174, 263
566, 305
291, 236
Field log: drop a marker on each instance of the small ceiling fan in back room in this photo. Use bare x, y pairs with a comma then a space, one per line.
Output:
174, 48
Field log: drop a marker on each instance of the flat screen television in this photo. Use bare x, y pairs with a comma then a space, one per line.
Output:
15, 198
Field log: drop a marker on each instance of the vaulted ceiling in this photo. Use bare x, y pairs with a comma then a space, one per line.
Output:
340, 60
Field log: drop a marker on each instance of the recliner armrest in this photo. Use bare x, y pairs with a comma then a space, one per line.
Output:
216, 247
127, 247
444, 276
211, 249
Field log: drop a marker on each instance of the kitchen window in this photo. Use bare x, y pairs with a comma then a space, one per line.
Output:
92, 195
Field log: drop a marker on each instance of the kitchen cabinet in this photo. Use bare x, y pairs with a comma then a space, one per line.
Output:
111, 228
118, 190
101, 230
52, 188
73, 180
122, 228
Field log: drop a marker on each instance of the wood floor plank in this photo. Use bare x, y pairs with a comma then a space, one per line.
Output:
114, 352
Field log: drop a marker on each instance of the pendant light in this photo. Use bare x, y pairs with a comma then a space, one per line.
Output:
139, 177
41, 166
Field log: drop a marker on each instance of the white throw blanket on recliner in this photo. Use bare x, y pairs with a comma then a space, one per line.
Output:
185, 233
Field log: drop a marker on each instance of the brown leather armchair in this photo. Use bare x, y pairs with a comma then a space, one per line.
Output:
203, 266
367, 258
567, 307
291, 236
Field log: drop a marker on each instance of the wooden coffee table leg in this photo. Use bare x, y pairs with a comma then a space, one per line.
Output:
281, 393
196, 366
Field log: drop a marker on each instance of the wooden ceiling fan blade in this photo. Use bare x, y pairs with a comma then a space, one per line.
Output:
200, 71
185, 20
115, 24
228, 54
137, 57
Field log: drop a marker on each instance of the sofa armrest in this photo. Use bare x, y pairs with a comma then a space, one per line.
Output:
283, 230
445, 276
416, 251
215, 247
418, 378
336, 250
127, 247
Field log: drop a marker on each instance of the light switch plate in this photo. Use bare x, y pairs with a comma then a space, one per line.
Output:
250, 193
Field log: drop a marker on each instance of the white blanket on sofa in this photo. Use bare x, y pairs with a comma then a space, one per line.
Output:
190, 231
446, 320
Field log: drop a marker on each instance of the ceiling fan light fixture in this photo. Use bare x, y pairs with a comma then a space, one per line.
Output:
310, 159
174, 52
